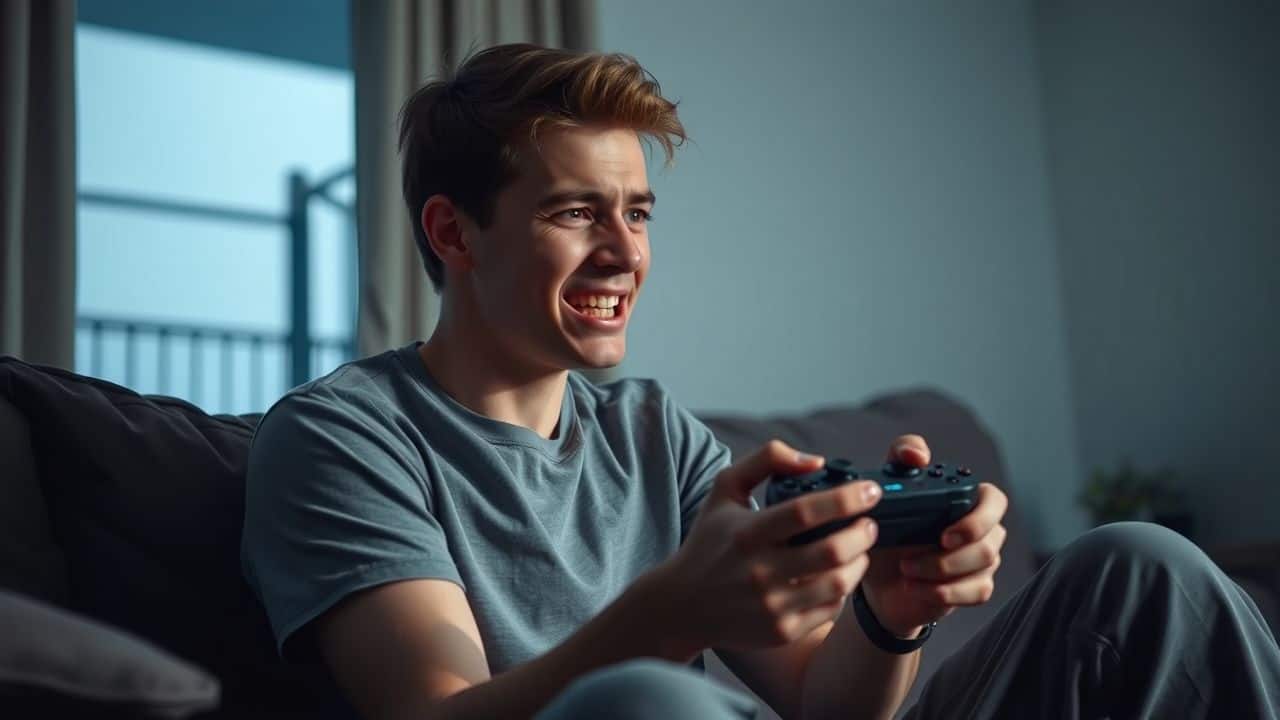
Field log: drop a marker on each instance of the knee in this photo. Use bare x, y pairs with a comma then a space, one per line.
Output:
1136, 547
634, 677
635, 689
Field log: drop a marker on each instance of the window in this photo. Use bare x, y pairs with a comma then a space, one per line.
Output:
216, 200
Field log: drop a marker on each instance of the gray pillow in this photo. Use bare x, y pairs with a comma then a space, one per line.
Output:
56, 663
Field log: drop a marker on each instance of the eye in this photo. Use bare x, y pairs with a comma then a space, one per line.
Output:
637, 215
575, 214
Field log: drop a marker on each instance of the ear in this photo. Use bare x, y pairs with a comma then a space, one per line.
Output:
445, 226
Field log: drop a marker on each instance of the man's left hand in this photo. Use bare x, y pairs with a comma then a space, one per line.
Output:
909, 587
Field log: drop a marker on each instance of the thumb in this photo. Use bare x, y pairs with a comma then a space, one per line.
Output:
774, 457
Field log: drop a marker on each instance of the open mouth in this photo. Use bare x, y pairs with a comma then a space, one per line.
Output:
597, 307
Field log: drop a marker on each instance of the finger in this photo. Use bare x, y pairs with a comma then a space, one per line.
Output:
792, 626
833, 551
992, 504
975, 589
826, 588
943, 566
775, 456
911, 450
776, 524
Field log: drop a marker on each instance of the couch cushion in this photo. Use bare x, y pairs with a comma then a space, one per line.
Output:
146, 499
57, 663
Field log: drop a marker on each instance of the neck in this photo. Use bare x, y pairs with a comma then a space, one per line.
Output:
486, 377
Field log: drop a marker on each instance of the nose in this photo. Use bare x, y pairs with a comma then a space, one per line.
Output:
620, 247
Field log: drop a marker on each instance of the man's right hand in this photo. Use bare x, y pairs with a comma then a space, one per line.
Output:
737, 582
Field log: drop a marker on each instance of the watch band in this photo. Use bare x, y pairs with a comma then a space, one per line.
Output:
879, 636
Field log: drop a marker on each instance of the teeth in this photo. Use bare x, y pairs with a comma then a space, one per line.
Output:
595, 301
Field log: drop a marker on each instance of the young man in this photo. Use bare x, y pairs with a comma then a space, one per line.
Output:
464, 528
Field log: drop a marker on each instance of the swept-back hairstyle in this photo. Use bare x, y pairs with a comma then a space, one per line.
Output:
460, 135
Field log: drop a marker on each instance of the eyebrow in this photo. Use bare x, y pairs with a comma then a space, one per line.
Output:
592, 197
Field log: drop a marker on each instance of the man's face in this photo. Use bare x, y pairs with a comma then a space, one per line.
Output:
571, 232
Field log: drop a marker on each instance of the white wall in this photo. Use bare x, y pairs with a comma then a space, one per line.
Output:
1164, 125
865, 207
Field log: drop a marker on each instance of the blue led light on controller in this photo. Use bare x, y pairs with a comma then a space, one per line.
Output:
892, 487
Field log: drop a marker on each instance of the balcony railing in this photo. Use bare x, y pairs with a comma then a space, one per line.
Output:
189, 359
213, 355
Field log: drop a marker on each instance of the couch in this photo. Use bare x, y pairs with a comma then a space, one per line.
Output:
120, 586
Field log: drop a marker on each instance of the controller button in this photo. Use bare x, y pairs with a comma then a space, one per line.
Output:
935, 472
939, 466
893, 487
789, 483
964, 471
840, 465
900, 470
953, 479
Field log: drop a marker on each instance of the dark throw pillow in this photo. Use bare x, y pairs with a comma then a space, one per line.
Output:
54, 663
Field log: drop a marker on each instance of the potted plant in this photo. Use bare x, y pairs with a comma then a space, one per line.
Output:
1130, 493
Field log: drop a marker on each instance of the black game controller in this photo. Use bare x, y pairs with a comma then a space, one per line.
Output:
917, 504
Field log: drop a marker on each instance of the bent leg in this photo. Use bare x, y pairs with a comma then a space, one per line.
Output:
1130, 620
648, 690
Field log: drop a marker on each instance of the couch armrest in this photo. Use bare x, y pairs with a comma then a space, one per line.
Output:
30, 560
1256, 569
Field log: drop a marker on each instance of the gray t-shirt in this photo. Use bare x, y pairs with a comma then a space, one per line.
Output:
373, 474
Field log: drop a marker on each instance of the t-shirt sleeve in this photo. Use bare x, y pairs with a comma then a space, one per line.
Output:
335, 501
699, 458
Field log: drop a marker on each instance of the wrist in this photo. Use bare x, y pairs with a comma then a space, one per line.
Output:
902, 632
664, 617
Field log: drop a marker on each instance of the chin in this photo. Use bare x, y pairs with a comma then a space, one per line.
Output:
601, 358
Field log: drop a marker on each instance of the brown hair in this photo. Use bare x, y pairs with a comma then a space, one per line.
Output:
459, 135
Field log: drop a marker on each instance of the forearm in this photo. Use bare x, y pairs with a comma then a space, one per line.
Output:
848, 676
630, 627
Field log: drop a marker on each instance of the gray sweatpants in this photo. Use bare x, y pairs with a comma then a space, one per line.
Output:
1129, 621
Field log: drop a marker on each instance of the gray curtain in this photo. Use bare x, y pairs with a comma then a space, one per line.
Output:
38, 181
398, 45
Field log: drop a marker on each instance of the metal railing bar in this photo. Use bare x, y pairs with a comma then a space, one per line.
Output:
95, 363
300, 338
173, 207
156, 327
97, 323
225, 382
255, 372
162, 360
338, 204
324, 183
196, 368
130, 357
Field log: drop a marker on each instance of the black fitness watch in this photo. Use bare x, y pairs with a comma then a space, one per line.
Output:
879, 636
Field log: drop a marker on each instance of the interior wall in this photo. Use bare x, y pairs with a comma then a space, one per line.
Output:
864, 207
1162, 122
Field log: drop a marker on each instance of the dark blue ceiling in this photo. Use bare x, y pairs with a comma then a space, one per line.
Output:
310, 31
